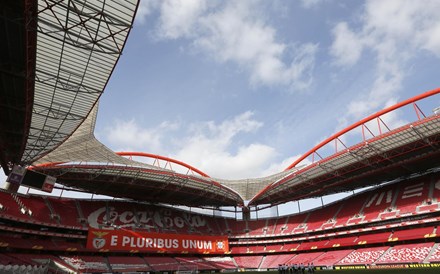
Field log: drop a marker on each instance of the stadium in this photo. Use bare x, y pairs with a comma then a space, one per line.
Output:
164, 215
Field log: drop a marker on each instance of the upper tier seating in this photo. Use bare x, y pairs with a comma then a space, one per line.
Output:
66, 211
296, 224
350, 210
237, 227
378, 202
326, 217
11, 208
40, 211
271, 226
257, 227
412, 194
436, 189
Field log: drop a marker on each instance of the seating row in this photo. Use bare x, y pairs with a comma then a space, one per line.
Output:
405, 198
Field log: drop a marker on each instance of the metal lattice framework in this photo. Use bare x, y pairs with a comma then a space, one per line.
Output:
50, 90
82, 162
388, 154
78, 45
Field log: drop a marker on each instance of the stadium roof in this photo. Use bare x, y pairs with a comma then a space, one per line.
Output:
84, 163
55, 65
63, 55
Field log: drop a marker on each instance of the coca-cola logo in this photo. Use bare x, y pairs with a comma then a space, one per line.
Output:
162, 218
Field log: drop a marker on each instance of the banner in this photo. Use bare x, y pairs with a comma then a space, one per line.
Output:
136, 241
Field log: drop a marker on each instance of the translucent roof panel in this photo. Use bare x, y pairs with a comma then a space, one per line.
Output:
78, 45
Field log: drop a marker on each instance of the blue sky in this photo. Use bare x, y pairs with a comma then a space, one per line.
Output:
239, 89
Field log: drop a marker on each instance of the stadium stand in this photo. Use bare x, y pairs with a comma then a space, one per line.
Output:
65, 211
296, 224
363, 256
305, 258
350, 211
379, 202
411, 253
162, 263
237, 227
194, 263
12, 209
346, 241
331, 258
248, 262
87, 263
222, 262
325, 219
272, 261
282, 225
128, 264
257, 227
58, 46
381, 237
270, 227
410, 234
411, 194
435, 254
313, 245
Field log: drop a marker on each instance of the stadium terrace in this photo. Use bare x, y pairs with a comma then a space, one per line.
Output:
160, 219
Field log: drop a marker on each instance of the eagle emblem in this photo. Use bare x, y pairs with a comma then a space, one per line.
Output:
99, 242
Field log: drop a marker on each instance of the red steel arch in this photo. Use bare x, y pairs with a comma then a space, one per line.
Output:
158, 157
364, 121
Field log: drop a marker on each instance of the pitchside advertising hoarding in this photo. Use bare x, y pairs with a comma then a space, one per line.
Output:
129, 240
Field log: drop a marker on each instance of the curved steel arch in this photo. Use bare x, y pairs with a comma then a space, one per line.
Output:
307, 176
158, 157
361, 122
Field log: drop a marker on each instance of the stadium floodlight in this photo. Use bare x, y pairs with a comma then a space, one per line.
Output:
436, 111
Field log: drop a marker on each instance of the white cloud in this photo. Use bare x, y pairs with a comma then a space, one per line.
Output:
128, 135
235, 32
311, 3
208, 146
347, 47
394, 32
282, 165
145, 8
179, 18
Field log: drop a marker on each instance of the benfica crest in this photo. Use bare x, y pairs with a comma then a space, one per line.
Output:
220, 245
98, 242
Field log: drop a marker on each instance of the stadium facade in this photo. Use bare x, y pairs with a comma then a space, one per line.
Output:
55, 63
